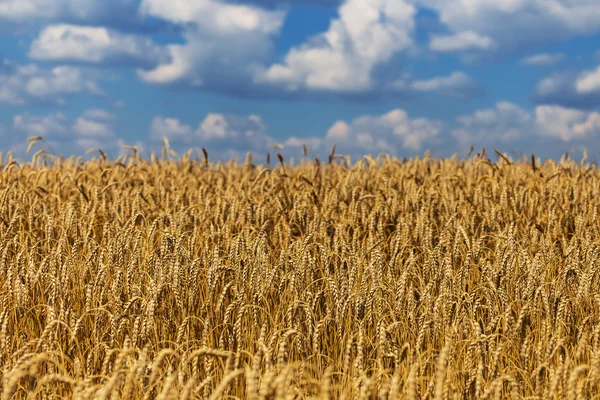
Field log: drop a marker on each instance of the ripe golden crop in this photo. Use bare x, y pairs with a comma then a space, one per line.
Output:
425, 278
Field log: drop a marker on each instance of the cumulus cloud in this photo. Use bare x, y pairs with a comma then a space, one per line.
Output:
90, 44
59, 125
366, 34
98, 114
588, 82
569, 89
312, 143
389, 132
543, 59
215, 16
504, 123
247, 133
565, 123
228, 48
456, 84
461, 41
227, 135
171, 128
218, 127
515, 24
114, 13
86, 127
26, 9
93, 128
510, 125
51, 125
22, 84
59, 80
553, 84
504, 126
224, 43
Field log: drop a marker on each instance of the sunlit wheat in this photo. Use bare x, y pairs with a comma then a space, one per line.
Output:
187, 278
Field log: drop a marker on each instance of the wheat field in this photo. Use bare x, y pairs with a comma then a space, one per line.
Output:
386, 279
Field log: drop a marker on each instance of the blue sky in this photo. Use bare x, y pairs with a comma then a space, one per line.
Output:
370, 76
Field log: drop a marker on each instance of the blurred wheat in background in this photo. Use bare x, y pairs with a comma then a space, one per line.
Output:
184, 278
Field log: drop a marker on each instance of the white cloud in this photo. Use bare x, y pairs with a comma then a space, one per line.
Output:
93, 45
502, 111
68, 135
509, 124
312, 143
588, 82
63, 79
504, 123
26, 9
219, 127
552, 84
51, 125
247, 133
228, 48
394, 130
518, 24
565, 123
214, 126
21, 84
569, 89
89, 128
63, 131
456, 84
215, 16
170, 128
98, 114
225, 43
461, 41
367, 33
112, 12
340, 130
543, 59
